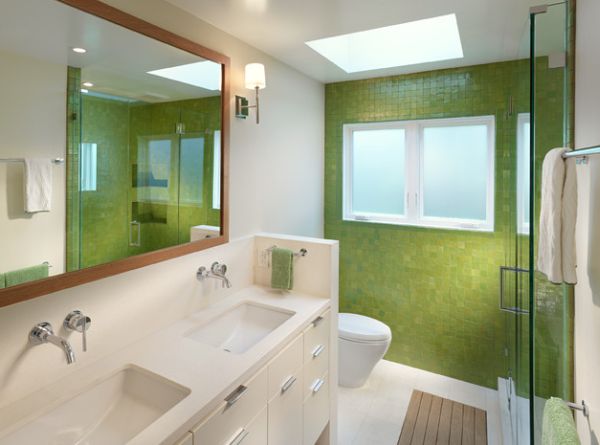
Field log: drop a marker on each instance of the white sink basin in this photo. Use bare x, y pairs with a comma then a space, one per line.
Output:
111, 412
240, 328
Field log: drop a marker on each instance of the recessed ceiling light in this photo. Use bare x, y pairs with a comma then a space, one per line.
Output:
80, 50
421, 41
83, 90
88, 84
204, 74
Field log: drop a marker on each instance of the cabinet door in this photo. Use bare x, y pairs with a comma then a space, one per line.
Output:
316, 410
255, 433
285, 413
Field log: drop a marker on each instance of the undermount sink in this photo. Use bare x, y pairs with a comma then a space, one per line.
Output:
111, 412
240, 328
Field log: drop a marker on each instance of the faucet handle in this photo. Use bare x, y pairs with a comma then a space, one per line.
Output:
218, 268
77, 321
40, 332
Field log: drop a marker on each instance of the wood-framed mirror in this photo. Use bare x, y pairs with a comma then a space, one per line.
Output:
114, 146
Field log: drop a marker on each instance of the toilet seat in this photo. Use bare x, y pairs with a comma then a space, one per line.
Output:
358, 328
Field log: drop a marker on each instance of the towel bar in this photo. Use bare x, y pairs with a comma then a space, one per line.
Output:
301, 253
580, 407
54, 161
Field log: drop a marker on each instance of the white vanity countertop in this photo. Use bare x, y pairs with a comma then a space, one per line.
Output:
210, 373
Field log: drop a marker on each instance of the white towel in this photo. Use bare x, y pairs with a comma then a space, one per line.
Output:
556, 247
38, 185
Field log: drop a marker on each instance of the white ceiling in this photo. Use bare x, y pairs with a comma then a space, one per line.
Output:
491, 30
117, 60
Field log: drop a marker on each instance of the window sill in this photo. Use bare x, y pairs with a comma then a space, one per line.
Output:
423, 225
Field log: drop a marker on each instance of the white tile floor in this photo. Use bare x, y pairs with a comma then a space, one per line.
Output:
373, 414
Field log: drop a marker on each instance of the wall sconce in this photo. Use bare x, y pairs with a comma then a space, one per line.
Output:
254, 79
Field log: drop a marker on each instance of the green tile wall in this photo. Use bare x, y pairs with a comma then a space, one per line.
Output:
73, 141
103, 212
438, 289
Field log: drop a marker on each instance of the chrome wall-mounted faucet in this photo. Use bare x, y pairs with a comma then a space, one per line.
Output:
78, 322
217, 271
43, 333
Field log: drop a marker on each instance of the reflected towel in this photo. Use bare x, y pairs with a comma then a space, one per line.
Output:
282, 268
558, 426
2, 281
38, 185
27, 274
556, 250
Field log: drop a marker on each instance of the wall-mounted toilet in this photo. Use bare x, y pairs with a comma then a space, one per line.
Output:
363, 341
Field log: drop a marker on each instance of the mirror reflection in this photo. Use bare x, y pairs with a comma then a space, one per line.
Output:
103, 155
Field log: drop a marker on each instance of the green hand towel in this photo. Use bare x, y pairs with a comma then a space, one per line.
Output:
27, 274
2, 281
282, 269
558, 426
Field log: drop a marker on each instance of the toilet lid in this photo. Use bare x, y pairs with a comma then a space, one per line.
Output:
360, 328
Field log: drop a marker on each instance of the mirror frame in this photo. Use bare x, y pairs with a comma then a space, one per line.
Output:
34, 289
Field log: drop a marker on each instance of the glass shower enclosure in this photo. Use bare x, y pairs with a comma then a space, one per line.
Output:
538, 314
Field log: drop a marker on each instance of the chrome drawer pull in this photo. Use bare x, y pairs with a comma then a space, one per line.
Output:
235, 395
317, 321
288, 384
317, 385
239, 437
317, 351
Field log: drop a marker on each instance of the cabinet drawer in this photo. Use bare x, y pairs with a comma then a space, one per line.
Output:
284, 366
253, 434
316, 410
285, 413
231, 417
316, 336
186, 440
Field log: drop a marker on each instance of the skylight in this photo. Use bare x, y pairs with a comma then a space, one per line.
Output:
421, 41
204, 74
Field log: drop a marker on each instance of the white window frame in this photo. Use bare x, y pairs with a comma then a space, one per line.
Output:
413, 202
522, 225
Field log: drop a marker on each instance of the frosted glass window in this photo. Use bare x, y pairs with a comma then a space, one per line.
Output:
455, 172
435, 173
378, 166
523, 131
216, 185
191, 171
89, 167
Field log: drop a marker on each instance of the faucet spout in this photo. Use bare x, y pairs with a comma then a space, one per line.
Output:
64, 345
43, 333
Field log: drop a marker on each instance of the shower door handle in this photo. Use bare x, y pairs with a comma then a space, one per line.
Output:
138, 241
503, 307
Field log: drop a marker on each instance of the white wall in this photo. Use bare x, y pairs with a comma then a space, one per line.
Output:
587, 291
277, 167
32, 124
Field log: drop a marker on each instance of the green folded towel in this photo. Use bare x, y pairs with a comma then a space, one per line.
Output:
25, 275
282, 268
558, 426
2, 281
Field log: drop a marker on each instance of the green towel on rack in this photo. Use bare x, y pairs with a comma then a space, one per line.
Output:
282, 268
558, 426
25, 275
2, 281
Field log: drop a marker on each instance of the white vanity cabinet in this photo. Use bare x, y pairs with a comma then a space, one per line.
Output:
285, 403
